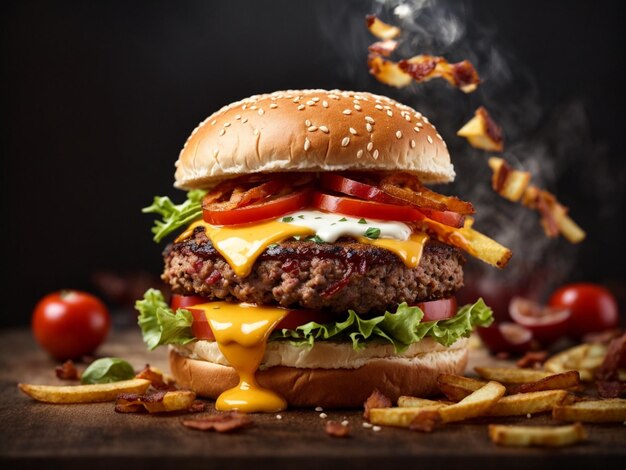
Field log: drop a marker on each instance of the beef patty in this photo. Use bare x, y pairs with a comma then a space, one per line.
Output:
304, 274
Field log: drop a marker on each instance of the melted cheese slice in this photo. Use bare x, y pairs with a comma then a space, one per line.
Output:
241, 245
241, 332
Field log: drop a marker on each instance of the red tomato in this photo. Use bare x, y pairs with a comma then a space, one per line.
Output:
506, 337
259, 211
593, 307
438, 309
69, 324
365, 209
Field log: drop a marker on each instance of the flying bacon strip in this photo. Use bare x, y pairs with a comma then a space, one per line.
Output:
482, 132
420, 68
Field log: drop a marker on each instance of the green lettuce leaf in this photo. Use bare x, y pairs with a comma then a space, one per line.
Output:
160, 324
401, 328
174, 216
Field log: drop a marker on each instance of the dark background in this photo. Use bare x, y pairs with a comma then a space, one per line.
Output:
98, 98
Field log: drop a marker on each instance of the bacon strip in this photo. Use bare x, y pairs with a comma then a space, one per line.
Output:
425, 67
375, 400
384, 48
67, 371
155, 378
532, 359
225, 422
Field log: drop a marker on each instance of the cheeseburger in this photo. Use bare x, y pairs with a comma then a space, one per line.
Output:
310, 264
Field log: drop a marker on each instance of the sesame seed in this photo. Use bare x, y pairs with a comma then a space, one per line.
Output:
412, 144
307, 144
279, 417
347, 111
357, 107
310, 103
323, 415
238, 117
227, 124
244, 107
378, 106
274, 106
261, 112
324, 129
407, 117
222, 132
398, 134
416, 129
389, 113
296, 99
528, 415
430, 139
439, 136
333, 97
375, 154
325, 104
352, 131
319, 408
301, 107
256, 132
376, 428
307, 123
345, 141
387, 107
366, 424
215, 152
312, 128
316, 99
420, 124
213, 122
253, 107
355, 101
359, 154
370, 120
425, 119
345, 422
370, 146
369, 127
244, 120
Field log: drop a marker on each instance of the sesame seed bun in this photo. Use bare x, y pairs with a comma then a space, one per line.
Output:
346, 385
312, 130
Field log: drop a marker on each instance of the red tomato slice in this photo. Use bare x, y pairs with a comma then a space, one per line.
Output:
259, 211
453, 219
438, 309
184, 301
365, 209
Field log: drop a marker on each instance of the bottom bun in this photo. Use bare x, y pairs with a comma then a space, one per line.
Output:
331, 388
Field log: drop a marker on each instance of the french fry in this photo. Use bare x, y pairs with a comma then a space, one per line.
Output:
83, 393
399, 417
388, 72
562, 381
542, 436
612, 410
511, 375
528, 403
507, 182
380, 29
584, 358
415, 402
457, 387
483, 133
476, 404
172, 401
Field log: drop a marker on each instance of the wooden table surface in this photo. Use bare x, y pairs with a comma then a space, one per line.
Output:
94, 436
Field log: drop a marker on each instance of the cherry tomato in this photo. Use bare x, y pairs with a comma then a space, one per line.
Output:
506, 337
438, 309
365, 209
547, 323
69, 324
593, 307
258, 211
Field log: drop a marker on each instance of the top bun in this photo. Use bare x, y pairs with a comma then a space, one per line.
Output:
312, 130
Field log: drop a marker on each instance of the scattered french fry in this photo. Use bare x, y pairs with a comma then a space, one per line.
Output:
562, 381
415, 402
476, 404
584, 358
84, 393
483, 133
542, 436
507, 182
612, 410
527, 403
399, 417
511, 375
457, 387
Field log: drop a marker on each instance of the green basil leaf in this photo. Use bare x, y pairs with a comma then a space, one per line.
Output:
372, 233
107, 370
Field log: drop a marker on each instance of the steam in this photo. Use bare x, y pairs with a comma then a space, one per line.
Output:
548, 145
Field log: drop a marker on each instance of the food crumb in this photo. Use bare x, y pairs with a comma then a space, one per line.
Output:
368, 425
319, 408
279, 417
323, 415
345, 422
529, 416
376, 428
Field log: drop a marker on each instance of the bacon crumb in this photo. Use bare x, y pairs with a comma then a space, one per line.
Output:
67, 371
425, 421
375, 400
384, 48
532, 359
336, 429
155, 378
607, 375
225, 422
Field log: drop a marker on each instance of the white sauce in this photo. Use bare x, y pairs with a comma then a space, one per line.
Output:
329, 227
